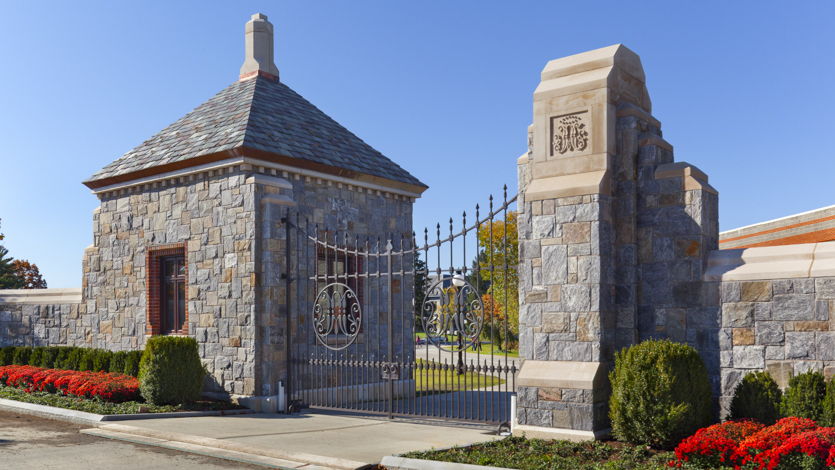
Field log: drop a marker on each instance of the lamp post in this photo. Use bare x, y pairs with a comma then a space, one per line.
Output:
458, 281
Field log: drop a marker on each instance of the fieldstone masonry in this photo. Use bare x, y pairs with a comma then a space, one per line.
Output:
219, 186
614, 238
618, 244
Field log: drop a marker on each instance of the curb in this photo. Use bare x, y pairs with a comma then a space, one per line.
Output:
401, 463
92, 419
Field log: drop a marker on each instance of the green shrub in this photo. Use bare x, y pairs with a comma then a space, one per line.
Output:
828, 411
660, 394
21, 356
132, 363
61, 357
101, 360
49, 356
86, 359
36, 356
7, 355
804, 396
757, 396
170, 372
117, 362
73, 360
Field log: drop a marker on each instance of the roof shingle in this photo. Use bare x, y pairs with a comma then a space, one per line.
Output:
263, 114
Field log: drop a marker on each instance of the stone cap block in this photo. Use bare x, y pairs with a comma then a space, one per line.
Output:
692, 178
773, 262
71, 295
267, 180
582, 184
629, 109
613, 56
563, 374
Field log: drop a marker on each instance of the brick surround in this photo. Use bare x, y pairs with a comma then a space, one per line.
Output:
152, 263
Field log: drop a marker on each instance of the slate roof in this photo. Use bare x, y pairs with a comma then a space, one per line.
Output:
264, 114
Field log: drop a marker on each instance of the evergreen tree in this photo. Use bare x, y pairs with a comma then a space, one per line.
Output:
8, 274
420, 289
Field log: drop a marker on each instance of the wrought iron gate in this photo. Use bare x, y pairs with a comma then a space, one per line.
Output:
360, 340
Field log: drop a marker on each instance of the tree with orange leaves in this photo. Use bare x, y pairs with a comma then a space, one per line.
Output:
29, 274
498, 258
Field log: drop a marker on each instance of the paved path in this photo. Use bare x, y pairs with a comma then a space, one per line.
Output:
28, 442
328, 434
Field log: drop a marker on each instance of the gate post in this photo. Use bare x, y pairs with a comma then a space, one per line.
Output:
578, 254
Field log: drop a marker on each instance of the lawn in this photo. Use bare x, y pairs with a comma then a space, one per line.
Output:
537, 454
428, 382
486, 348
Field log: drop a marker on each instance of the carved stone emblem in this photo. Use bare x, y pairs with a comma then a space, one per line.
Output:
570, 134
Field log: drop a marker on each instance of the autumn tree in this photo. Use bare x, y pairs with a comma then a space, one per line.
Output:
498, 259
29, 274
17, 274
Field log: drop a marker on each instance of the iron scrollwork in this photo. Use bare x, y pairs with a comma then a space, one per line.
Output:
455, 310
337, 316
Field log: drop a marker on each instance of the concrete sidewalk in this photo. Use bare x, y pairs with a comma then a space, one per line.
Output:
311, 439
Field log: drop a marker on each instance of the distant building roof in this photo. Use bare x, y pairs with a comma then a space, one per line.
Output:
808, 227
263, 115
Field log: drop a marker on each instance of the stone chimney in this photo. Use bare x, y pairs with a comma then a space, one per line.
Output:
259, 47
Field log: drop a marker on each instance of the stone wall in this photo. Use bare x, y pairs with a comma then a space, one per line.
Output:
233, 229
43, 325
782, 326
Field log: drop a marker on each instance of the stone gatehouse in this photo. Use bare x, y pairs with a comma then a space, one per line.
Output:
618, 243
189, 237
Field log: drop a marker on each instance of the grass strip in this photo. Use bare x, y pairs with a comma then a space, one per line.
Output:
538, 454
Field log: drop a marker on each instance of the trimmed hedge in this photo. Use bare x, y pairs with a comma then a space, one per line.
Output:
170, 372
73, 358
804, 396
757, 396
660, 394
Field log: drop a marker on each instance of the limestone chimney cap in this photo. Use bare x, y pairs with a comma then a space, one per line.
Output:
259, 47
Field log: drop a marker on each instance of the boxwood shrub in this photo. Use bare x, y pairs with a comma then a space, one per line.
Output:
170, 372
660, 394
804, 396
757, 396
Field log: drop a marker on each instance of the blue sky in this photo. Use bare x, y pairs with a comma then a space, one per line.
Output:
743, 90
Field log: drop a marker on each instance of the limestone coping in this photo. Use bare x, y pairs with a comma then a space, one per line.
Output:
562, 374
773, 262
582, 184
692, 178
70, 295
617, 55
629, 109
267, 180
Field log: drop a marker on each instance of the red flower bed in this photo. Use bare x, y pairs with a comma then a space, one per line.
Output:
111, 387
786, 444
716, 445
